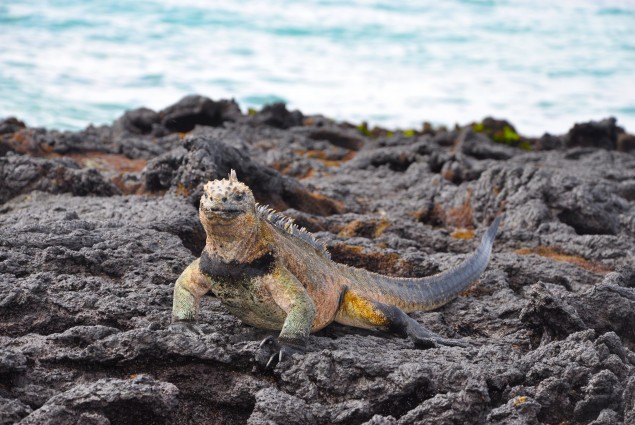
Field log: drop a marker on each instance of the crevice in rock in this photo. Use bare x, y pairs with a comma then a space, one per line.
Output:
194, 408
403, 405
583, 224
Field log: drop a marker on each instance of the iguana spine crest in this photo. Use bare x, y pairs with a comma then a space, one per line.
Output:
287, 224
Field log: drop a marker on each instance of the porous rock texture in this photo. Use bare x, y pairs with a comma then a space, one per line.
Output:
96, 225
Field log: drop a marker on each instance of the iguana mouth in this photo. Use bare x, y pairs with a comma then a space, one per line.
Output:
222, 212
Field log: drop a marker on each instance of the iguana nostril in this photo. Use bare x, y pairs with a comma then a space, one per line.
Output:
225, 199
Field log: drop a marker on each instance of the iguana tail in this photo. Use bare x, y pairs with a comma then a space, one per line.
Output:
428, 293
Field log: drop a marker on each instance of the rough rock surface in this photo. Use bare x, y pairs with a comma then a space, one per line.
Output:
96, 225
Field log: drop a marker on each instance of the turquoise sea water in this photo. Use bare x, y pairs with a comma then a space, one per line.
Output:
541, 64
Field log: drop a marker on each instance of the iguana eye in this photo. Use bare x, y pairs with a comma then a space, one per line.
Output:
239, 197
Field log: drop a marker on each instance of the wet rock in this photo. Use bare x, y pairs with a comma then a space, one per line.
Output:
11, 125
338, 137
138, 121
626, 142
549, 142
196, 110
277, 115
597, 134
160, 172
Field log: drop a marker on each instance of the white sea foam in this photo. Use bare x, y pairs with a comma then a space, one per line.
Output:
542, 65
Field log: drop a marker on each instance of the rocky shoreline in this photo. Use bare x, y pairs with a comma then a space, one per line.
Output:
96, 225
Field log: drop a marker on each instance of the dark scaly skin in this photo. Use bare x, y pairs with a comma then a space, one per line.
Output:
270, 278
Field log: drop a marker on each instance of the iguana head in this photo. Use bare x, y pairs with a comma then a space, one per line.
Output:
225, 201
228, 214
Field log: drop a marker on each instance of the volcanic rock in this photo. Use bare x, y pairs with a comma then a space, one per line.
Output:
96, 226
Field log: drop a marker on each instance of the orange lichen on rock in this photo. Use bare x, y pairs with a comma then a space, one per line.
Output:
113, 166
463, 234
283, 167
23, 142
382, 225
357, 256
462, 216
557, 254
447, 174
182, 190
108, 162
128, 187
308, 174
312, 202
434, 215
324, 158
477, 290
368, 229
286, 167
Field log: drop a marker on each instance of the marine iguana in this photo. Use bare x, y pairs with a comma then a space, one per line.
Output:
272, 274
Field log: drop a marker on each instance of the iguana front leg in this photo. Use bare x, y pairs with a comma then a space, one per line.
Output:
188, 290
289, 293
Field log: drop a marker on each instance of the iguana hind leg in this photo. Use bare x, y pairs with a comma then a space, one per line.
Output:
361, 312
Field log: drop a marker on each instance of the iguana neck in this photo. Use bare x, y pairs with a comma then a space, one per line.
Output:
238, 241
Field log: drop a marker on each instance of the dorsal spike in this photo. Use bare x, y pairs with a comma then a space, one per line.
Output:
287, 225
232, 176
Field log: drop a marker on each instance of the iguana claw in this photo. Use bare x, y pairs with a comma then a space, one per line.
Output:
185, 327
282, 350
268, 340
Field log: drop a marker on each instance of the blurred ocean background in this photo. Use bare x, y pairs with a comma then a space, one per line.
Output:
541, 64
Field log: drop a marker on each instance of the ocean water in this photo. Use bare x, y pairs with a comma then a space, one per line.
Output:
541, 64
